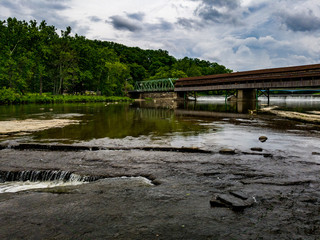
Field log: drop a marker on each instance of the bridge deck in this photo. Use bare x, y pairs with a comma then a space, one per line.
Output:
288, 77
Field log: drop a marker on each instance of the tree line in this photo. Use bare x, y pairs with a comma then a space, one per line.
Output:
34, 58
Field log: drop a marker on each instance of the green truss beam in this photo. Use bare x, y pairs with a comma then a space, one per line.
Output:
159, 85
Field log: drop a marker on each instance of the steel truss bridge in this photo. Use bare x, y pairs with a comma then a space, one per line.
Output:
159, 85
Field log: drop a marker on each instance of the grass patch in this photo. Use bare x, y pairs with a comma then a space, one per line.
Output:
8, 96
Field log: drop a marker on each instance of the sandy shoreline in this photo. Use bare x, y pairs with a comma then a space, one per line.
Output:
32, 125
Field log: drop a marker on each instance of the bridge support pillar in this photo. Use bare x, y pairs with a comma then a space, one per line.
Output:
246, 95
246, 100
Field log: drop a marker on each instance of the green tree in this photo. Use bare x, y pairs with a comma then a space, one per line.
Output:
65, 64
14, 57
137, 72
166, 72
41, 39
116, 78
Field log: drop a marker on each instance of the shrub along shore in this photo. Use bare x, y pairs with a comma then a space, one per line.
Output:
8, 96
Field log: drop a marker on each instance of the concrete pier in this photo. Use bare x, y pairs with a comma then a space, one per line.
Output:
246, 95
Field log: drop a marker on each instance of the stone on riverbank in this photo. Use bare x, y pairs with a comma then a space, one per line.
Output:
236, 203
263, 138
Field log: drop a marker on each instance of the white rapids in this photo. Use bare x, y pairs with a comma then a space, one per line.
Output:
18, 186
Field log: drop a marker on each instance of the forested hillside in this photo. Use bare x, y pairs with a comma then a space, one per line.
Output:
35, 59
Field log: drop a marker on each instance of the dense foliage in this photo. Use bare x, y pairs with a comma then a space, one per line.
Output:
8, 96
35, 59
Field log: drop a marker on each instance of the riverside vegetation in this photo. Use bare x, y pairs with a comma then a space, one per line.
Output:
8, 96
34, 58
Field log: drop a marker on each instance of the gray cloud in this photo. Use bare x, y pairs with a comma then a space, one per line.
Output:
213, 15
35, 5
258, 7
301, 22
47, 4
9, 4
121, 23
220, 11
49, 10
163, 25
134, 23
137, 16
189, 23
36, 9
95, 19
42, 5
230, 4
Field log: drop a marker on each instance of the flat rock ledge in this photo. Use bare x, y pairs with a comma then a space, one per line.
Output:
314, 117
256, 149
76, 148
237, 201
227, 151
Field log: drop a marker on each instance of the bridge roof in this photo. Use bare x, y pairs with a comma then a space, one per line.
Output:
256, 72
264, 78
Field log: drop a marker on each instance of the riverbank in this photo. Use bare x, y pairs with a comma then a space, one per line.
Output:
7, 96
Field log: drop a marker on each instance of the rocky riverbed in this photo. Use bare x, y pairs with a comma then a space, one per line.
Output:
173, 195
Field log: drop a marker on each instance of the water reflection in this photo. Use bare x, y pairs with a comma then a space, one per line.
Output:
120, 121
219, 106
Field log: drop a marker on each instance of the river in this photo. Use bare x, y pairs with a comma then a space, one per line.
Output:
209, 123
159, 171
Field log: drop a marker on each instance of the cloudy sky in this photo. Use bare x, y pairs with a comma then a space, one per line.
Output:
240, 34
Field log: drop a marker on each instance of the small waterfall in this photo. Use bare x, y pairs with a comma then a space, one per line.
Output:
16, 181
44, 176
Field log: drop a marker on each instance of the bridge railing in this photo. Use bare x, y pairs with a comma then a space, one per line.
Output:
159, 85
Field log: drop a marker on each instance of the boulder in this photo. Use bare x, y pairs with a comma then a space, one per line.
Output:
236, 203
263, 138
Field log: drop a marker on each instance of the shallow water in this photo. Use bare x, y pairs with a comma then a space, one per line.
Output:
209, 124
